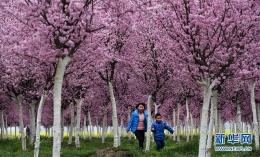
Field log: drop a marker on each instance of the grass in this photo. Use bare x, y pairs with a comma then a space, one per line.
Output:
13, 148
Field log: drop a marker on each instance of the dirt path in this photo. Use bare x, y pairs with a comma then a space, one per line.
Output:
109, 152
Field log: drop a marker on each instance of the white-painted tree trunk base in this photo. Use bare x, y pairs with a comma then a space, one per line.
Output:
255, 122
192, 126
84, 127
148, 137
238, 120
187, 121
2, 123
178, 128
211, 122
32, 121
61, 65
71, 123
20, 113
114, 118
38, 125
77, 129
204, 115
174, 123
104, 129
129, 114
90, 126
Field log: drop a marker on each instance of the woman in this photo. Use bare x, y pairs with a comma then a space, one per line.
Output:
138, 123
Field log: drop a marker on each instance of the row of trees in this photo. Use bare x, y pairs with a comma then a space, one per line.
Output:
100, 58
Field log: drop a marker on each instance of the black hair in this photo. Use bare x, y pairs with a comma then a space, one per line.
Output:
143, 104
157, 115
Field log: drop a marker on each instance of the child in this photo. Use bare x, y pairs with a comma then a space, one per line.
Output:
158, 131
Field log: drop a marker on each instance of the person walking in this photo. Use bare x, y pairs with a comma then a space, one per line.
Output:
138, 123
158, 131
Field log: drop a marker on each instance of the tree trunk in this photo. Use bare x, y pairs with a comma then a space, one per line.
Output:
38, 125
187, 120
15, 132
174, 124
178, 128
2, 123
93, 132
170, 124
71, 123
129, 115
21, 126
216, 120
251, 128
114, 118
233, 125
79, 104
62, 125
104, 126
204, 117
255, 122
238, 122
46, 132
62, 63
192, 125
11, 132
148, 134
230, 126
246, 127
156, 108
258, 116
220, 122
84, 126
122, 129
97, 127
211, 122
182, 132
242, 126
90, 126
6, 126
32, 121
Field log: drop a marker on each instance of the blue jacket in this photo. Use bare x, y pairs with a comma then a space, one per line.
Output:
159, 130
134, 119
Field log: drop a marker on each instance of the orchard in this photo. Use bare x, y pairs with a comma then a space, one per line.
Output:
70, 66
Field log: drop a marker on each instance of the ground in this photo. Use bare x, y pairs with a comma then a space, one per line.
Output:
109, 152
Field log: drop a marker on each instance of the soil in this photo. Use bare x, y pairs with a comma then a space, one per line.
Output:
109, 152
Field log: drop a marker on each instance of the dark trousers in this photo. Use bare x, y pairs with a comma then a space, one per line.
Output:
159, 144
140, 136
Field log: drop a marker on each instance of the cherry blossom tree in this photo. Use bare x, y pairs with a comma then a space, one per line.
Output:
64, 26
249, 67
209, 38
112, 51
21, 87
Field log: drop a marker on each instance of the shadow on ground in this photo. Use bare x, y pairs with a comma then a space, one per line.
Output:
109, 152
